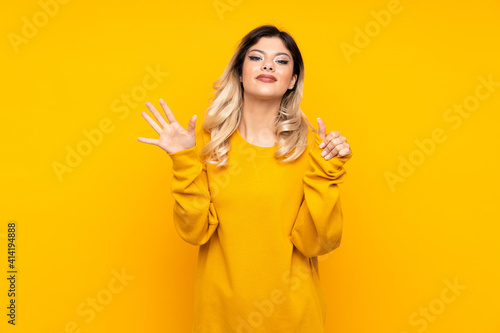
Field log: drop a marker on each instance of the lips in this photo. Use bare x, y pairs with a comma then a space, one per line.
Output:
266, 78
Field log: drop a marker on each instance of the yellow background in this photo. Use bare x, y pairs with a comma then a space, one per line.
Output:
402, 244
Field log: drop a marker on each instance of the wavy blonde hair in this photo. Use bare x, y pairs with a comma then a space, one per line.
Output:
223, 116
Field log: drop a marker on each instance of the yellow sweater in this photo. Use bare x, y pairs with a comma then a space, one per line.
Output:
260, 226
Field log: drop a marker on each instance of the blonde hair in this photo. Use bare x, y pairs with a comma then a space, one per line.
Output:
223, 115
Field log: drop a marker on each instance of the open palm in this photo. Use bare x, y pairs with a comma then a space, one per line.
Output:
173, 137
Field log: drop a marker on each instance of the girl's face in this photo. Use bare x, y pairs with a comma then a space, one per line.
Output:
269, 56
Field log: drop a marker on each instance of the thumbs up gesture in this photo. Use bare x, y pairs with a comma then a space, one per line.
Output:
333, 144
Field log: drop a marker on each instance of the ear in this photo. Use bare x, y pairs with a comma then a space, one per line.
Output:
292, 81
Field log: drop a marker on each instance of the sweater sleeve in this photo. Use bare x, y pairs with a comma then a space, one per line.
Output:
317, 229
194, 214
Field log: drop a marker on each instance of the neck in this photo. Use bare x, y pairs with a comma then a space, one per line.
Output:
258, 118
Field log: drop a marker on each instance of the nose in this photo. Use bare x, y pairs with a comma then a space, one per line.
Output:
267, 66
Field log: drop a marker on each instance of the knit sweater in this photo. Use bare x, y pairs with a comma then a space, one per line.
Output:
260, 225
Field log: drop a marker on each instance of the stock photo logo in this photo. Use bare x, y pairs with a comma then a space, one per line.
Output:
89, 309
120, 106
31, 26
223, 6
425, 315
380, 19
454, 117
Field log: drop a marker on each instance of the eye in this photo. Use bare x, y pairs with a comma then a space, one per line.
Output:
284, 62
254, 58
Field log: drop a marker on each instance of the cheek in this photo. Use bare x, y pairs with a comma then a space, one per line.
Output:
286, 76
248, 70
289, 72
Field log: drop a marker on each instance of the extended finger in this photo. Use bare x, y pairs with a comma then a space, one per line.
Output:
192, 124
157, 114
151, 122
147, 140
168, 112
321, 128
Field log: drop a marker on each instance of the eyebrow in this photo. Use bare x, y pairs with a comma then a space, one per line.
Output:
276, 54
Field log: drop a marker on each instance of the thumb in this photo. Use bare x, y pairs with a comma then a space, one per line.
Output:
192, 124
321, 128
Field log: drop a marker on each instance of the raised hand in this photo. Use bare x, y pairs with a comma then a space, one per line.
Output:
173, 137
333, 144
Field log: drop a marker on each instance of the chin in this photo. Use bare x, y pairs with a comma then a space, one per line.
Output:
265, 95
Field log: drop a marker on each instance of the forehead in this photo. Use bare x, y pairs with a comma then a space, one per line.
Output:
270, 45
